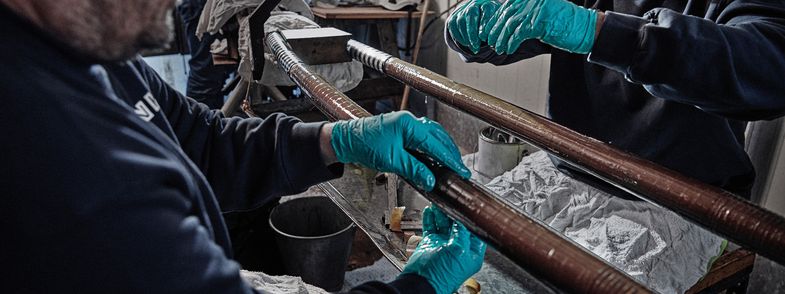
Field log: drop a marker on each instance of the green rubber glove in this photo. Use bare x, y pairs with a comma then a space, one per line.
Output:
556, 22
448, 253
467, 23
381, 142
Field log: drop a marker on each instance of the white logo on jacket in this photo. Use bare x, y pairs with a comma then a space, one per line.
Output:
143, 111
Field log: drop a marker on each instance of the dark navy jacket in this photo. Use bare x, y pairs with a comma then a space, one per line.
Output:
672, 81
112, 182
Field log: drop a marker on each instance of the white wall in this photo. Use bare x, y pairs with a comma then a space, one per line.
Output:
172, 68
775, 197
524, 83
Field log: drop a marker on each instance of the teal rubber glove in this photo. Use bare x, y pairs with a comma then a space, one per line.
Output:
556, 22
448, 253
381, 142
467, 24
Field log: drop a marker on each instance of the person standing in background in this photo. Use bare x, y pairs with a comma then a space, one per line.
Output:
205, 79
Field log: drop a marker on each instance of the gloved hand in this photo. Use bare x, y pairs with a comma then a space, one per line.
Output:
447, 255
467, 23
381, 142
556, 22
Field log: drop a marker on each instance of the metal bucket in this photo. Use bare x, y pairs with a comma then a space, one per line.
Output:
498, 152
314, 237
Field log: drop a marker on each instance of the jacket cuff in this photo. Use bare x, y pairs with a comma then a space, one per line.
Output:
618, 41
411, 283
309, 169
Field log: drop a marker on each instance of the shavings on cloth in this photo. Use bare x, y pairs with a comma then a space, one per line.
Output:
279, 284
652, 244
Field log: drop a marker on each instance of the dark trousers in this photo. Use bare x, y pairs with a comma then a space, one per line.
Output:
253, 240
205, 80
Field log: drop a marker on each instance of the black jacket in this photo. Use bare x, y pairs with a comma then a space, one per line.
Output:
671, 81
112, 182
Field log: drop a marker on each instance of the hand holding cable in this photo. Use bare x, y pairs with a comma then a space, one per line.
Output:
448, 253
467, 25
381, 142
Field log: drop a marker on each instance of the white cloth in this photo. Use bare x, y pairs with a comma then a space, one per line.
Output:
344, 76
279, 284
289, 14
652, 244
217, 13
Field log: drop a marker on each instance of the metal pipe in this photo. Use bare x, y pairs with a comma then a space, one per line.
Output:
530, 243
236, 98
716, 209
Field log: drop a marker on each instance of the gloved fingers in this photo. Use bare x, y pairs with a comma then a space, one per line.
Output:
413, 170
441, 135
454, 161
435, 221
429, 137
460, 236
473, 27
506, 33
488, 9
442, 221
523, 28
428, 221
500, 19
477, 245
454, 28
462, 20
487, 27
516, 40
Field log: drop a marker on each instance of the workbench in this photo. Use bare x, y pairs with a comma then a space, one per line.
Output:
383, 20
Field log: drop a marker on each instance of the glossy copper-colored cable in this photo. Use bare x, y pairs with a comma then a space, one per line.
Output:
716, 209
528, 242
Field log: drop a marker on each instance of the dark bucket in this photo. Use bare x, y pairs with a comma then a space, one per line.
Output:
315, 238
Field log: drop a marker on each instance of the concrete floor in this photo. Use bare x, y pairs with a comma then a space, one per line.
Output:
767, 277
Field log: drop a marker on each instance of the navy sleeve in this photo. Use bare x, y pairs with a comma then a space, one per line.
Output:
95, 204
734, 67
246, 160
528, 49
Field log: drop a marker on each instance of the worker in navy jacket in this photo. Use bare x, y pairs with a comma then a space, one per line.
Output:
112, 182
670, 81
